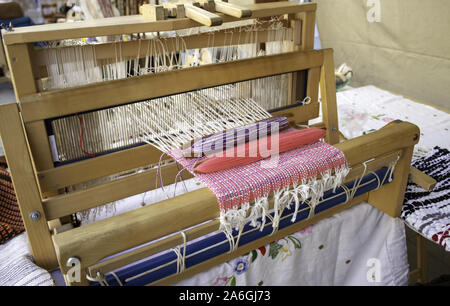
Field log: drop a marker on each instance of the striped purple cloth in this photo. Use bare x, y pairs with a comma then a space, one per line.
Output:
241, 135
240, 185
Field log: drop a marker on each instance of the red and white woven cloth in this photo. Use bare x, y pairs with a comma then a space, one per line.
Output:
297, 175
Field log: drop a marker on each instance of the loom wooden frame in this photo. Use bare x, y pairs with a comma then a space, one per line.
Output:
38, 183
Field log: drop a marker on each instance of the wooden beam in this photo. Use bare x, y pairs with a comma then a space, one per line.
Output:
19, 62
421, 179
308, 29
180, 212
152, 12
98, 167
23, 177
134, 49
176, 10
312, 84
66, 204
136, 24
202, 16
232, 9
328, 96
390, 199
97, 96
39, 144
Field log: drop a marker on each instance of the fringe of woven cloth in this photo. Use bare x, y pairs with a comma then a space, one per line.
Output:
428, 212
309, 191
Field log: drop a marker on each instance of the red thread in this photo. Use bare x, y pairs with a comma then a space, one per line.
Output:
81, 138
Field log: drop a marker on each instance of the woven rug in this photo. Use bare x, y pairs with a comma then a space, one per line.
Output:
428, 212
11, 223
296, 176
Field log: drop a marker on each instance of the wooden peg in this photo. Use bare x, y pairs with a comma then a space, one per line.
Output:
175, 9
208, 5
191, 2
200, 15
232, 9
153, 12
423, 180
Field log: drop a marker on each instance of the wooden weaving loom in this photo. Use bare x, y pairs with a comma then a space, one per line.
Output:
42, 188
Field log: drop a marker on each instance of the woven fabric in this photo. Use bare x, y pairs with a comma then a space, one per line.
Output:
11, 223
238, 136
244, 184
286, 141
428, 212
17, 267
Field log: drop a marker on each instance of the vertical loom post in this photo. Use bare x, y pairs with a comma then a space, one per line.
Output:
296, 79
389, 199
308, 21
25, 184
328, 95
304, 83
19, 60
307, 24
421, 258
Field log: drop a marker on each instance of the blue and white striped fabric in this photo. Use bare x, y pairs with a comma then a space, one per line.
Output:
17, 267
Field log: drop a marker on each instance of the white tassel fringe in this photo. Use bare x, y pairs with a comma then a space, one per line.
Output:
309, 192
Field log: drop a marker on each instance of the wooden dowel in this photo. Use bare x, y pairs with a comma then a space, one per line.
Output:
423, 180
202, 16
232, 9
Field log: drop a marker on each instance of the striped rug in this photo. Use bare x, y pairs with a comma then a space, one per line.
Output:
428, 212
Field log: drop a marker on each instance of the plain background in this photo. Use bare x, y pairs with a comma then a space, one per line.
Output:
406, 52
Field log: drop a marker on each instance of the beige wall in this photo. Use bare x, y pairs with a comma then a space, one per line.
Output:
407, 52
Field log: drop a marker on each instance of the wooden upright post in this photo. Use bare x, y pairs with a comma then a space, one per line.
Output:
19, 60
328, 95
25, 184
